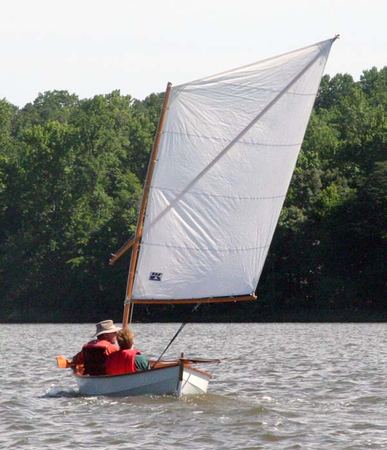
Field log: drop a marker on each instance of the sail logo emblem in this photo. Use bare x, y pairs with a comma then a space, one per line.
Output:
155, 276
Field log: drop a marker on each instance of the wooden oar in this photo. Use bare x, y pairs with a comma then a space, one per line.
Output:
188, 360
62, 362
200, 360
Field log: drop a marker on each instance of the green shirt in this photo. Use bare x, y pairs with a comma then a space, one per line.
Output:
141, 362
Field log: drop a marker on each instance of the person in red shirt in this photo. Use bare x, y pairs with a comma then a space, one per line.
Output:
91, 360
127, 359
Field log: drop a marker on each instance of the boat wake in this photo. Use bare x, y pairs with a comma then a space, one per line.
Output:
58, 391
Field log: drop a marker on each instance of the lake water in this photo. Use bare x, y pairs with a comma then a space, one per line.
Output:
280, 386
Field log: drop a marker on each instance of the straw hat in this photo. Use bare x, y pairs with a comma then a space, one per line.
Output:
106, 326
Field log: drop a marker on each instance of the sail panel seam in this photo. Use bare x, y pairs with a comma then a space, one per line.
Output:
213, 138
252, 88
205, 249
205, 194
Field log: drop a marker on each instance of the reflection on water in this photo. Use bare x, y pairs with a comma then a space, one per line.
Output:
282, 386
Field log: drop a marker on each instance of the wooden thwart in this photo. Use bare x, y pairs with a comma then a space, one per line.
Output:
193, 361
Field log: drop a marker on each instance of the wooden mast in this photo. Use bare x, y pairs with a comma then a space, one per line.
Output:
128, 305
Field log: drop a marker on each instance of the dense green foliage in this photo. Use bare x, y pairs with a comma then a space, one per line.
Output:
71, 174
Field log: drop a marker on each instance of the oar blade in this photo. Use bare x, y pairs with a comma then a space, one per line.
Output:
62, 362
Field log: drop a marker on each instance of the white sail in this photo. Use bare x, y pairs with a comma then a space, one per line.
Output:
226, 157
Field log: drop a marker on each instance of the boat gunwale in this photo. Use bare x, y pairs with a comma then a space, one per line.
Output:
164, 366
153, 369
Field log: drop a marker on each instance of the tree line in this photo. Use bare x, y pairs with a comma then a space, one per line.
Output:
71, 176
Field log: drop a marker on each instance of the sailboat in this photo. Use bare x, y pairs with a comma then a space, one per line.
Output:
219, 170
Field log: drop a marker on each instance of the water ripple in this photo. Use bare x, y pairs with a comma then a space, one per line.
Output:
280, 386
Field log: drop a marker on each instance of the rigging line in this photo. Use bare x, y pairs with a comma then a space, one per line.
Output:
131, 314
236, 139
176, 334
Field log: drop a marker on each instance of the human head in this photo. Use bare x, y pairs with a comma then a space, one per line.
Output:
110, 337
106, 330
125, 338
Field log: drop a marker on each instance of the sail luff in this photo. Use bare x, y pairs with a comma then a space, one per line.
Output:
128, 308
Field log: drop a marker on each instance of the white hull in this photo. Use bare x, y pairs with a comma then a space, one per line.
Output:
174, 379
